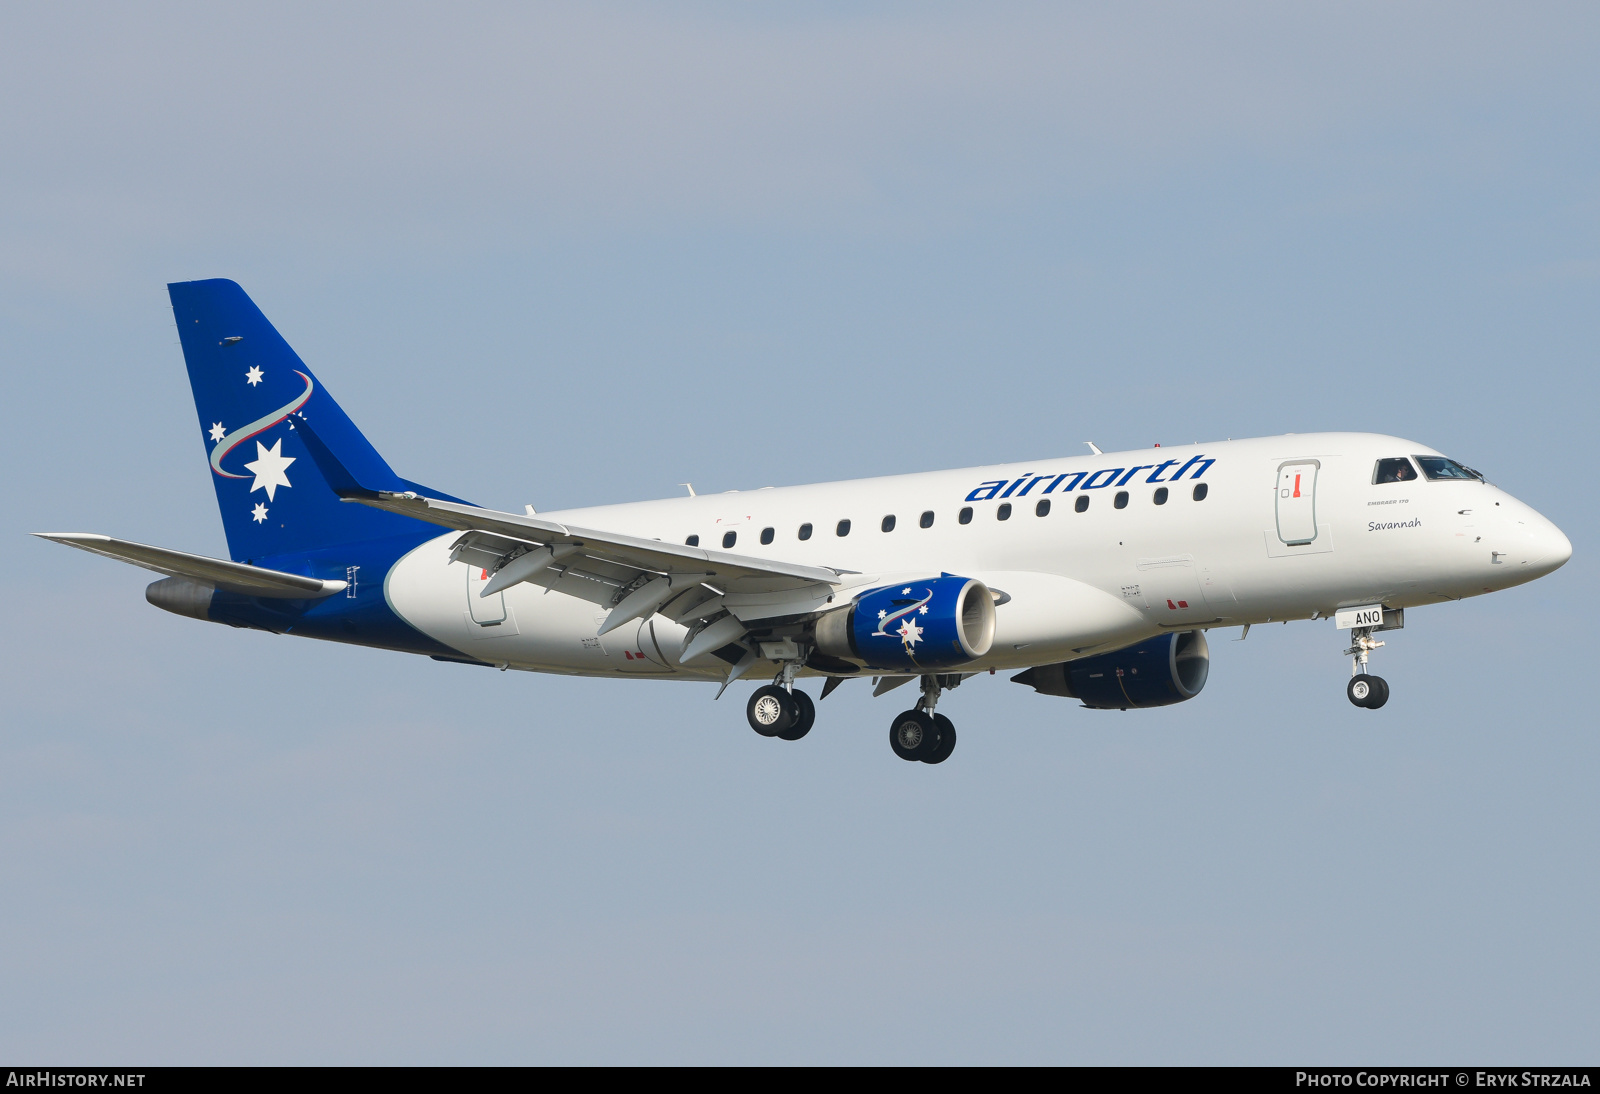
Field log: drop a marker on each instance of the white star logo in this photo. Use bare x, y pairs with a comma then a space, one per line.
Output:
909, 633
922, 610
268, 467
217, 432
259, 513
253, 377
882, 616
906, 591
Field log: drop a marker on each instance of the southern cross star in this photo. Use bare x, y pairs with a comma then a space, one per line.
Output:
253, 377
217, 432
909, 633
268, 467
259, 513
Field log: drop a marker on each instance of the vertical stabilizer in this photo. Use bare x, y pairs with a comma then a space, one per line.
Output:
247, 382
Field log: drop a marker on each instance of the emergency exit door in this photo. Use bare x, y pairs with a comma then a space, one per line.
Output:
1297, 502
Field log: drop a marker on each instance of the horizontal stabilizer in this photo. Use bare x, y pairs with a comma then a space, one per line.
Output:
235, 577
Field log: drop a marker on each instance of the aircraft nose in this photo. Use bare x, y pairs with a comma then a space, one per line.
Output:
1555, 548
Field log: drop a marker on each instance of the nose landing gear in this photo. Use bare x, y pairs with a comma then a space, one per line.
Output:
921, 734
1364, 689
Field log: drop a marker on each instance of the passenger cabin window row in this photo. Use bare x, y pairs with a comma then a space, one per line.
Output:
1041, 508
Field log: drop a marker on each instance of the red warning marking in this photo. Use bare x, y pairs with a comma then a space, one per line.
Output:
1297, 486
485, 576
1180, 604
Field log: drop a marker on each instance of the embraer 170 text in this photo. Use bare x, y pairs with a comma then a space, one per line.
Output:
1091, 577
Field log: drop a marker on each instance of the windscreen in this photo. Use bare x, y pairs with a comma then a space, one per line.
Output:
1396, 469
1437, 467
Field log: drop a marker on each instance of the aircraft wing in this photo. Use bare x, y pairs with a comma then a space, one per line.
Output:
235, 577
632, 577
642, 554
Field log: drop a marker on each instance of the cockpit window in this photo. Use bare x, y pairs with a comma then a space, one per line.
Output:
1437, 467
1398, 469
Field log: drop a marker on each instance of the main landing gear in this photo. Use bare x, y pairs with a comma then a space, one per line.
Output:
775, 712
1364, 689
919, 733
780, 709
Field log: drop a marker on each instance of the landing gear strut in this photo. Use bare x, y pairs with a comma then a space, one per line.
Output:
780, 709
1364, 689
921, 734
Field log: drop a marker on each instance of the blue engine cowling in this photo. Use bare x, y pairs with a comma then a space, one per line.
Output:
916, 626
1155, 673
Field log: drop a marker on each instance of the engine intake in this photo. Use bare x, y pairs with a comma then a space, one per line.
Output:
917, 626
1155, 673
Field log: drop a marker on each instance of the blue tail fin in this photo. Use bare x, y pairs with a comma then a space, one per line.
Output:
247, 382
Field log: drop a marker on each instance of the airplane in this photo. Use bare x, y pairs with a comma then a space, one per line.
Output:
1092, 577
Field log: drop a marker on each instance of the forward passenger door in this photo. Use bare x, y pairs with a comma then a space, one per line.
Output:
1297, 502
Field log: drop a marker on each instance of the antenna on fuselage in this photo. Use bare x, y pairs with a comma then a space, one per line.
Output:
690, 486
1094, 448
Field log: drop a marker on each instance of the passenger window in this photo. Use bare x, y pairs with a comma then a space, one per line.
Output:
927, 519
1437, 467
1004, 512
965, 516
1161, 495
1043, 508
692, 541
729, 539
805, 531
1398, 469
1082, 504
1121, 500
888, 523
843, 529
1201, 490
766, 535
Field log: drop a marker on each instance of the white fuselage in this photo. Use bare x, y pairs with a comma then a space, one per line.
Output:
1262, 545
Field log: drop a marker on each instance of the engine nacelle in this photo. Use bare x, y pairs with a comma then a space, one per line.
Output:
917, 626
1155, 673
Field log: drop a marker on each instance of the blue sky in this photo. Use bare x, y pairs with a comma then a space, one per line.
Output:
569, 256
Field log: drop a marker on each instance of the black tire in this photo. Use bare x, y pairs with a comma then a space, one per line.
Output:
912, 735
1380, 692
947, 740
805, 716
771, 710
1360, 690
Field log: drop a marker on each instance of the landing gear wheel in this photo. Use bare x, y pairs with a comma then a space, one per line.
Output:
805, 716
1359, 690
912, 735
1368, 691
1380, 692
771, 710
947, 740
